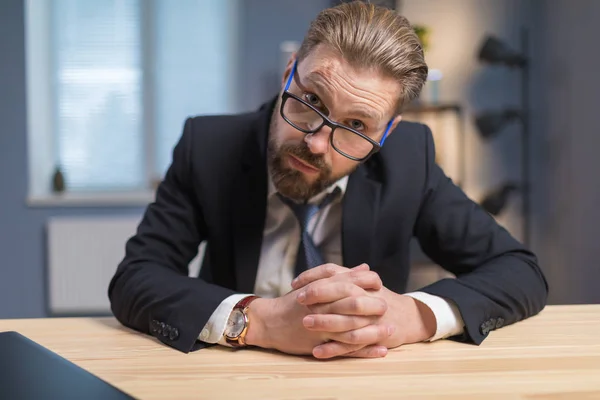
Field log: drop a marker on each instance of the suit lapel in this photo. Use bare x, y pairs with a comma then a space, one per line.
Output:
359, 215
249, 202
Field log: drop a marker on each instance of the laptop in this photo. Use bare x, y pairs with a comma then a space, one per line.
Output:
31, 371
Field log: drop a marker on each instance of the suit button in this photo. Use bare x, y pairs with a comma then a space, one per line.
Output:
483, 328
166, 331
174, 334
154, 325
160, 328
499, 323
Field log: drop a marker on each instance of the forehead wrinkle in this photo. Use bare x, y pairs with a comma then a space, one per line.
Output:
320, 82
323, 79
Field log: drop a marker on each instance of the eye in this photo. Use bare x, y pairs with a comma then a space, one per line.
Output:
357, 125
313, 100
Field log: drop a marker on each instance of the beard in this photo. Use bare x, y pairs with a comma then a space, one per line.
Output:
290, 182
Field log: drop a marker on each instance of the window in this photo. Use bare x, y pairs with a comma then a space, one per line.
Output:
111, 82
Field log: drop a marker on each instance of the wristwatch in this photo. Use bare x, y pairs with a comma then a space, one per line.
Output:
238, 322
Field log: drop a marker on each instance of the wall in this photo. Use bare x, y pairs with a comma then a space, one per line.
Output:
22, 261
264, 25
22, 242
475, 87
565, 193
566, 130
564, 85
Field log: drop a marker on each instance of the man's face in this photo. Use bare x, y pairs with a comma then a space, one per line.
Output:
304, 165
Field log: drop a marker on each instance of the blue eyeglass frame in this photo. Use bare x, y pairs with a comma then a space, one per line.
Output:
327, 122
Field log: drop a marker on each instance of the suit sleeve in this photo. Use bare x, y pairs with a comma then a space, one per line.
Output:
498, 280
151, 291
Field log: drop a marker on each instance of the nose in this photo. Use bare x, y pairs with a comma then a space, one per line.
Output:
318, 142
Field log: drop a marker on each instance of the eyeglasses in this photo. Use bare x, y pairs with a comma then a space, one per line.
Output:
308, 119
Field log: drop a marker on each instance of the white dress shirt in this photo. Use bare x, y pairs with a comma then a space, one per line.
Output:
281, 240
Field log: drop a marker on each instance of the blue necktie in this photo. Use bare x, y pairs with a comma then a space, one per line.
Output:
309, 255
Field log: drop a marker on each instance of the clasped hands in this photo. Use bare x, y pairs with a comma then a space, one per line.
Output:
335, 311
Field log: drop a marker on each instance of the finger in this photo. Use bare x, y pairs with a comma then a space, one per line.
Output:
368, 335
317, 273
362, 305
339, 286
321, 272
373, 351
365, 279
334, 349
327, 291
336, 323
337, 349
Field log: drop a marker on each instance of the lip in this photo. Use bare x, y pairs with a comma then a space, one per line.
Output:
301, 166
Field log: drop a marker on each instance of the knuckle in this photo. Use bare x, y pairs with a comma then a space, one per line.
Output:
355, 350
330, 269
384, 306
355, 275
349, 289
375, 276
357, 305
373, 279
319, 308
312, 292
371, 274
380, 306
357, 289
369, 280
365, 278
347, 348
353, 337
323, 322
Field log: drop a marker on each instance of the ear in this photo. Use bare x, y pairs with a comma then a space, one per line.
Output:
288, 69
394, 124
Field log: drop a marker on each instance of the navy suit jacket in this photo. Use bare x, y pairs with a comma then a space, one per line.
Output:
216, 191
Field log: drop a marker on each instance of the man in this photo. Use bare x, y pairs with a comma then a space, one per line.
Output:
308, 207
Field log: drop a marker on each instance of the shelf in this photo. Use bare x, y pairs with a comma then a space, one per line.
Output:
433, 108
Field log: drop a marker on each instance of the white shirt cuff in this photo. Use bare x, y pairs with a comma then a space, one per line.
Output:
448, 318
215, 327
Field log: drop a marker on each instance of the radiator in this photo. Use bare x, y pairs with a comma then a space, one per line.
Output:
83, 254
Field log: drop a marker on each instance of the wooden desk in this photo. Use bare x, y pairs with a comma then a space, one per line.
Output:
555, 355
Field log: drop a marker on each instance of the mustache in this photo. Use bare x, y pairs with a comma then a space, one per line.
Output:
302, 152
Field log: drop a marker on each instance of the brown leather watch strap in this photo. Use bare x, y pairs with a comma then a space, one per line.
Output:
242, 305
245, 302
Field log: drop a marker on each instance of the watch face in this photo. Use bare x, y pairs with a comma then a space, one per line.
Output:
235, 324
